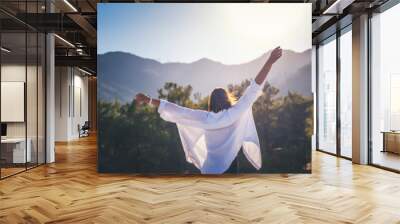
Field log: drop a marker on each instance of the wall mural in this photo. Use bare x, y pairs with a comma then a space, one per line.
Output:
204, 88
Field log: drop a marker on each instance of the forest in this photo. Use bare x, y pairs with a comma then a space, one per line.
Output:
135, 139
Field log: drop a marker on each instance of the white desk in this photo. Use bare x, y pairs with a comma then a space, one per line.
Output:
18, 145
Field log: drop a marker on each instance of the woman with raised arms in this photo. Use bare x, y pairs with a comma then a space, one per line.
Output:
212, 139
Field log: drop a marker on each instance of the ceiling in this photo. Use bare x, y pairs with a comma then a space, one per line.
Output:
75, 22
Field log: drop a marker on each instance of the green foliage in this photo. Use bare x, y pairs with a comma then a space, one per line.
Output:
133, 139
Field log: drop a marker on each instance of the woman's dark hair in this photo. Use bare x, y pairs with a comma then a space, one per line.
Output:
220, 99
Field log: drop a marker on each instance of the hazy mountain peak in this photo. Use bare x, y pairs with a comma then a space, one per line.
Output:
205, 61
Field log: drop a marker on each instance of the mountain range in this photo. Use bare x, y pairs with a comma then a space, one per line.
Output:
121, 75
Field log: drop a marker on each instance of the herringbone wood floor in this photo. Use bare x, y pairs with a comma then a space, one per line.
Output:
71, 191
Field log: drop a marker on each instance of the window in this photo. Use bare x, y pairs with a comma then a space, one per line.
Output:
346, 93
385, 89
327, 96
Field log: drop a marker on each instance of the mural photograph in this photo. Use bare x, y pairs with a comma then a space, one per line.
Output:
226, 89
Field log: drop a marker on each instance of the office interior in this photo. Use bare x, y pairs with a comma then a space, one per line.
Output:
49, 46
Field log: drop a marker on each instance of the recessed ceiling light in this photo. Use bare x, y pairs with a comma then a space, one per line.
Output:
338, 6
64, 40
70, 5
5, 50
84, 71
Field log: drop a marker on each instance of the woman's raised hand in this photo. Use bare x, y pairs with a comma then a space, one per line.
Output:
141, 98
275, 55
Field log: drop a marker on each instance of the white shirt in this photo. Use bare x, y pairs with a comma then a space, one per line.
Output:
211, 141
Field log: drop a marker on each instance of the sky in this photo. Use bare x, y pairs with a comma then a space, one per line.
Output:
230, 33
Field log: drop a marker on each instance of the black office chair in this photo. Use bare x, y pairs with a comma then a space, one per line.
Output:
84, 130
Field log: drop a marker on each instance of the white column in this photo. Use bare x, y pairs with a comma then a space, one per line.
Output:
360, 90
50, 92
50, 99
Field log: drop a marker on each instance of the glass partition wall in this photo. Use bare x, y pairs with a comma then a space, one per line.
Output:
22, 98
334, 94
13, 89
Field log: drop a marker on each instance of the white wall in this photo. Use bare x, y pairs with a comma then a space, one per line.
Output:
71, 92
16, 73
62, 82
33, 126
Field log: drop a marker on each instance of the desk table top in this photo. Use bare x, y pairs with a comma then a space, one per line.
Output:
13, 140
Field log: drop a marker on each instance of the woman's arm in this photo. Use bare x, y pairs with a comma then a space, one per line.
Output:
252, 92
262, 75
174, 113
